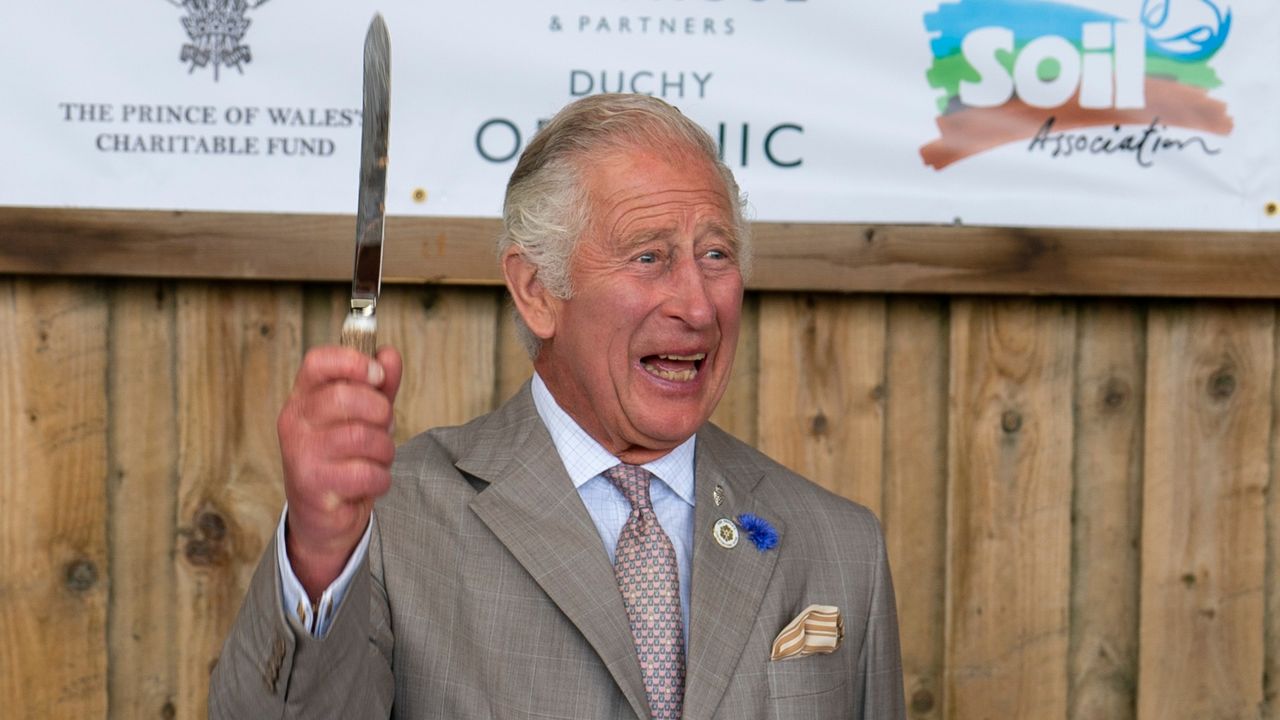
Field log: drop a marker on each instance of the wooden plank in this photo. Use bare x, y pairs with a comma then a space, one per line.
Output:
263, 246
324, 306
1208, 416
53, 500
739, 410
1009, 509
789, 256
143, 499
238, 347
821, 403
915, 509
1019, 261
447, 336
514, 366
1107, 511
1271, 620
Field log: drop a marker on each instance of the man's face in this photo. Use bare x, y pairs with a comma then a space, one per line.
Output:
641, 353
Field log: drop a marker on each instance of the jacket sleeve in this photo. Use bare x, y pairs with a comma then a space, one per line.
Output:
270, 667
880, 664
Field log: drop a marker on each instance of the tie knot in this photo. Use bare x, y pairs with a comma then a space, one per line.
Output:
633, 481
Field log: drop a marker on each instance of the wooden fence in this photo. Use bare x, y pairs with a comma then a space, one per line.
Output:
1078, 494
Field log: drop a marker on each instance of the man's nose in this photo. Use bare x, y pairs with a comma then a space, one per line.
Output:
690, 297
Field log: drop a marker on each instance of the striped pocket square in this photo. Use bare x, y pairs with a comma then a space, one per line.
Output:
819, 629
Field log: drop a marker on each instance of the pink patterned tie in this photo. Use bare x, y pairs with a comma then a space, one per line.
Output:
650, 585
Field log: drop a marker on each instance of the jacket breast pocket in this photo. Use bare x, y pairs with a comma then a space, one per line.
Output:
806, 676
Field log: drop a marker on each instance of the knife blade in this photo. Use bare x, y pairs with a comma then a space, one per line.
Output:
359, 330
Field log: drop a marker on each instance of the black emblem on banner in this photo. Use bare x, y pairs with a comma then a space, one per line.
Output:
215, 28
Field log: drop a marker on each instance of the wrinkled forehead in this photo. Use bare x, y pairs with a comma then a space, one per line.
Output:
643, 182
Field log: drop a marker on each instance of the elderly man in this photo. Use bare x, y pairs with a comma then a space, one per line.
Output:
594, 548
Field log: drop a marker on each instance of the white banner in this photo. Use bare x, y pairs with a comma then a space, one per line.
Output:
1085, 113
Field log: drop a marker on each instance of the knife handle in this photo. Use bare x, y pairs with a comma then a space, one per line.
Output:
360, 331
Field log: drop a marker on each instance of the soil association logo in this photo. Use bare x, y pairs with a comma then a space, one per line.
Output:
1068, 79
215, 29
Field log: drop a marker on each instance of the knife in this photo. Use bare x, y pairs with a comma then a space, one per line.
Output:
360, 329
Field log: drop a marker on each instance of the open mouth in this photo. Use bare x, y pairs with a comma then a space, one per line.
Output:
676, 368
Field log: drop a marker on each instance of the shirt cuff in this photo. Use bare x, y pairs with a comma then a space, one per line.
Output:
315, 619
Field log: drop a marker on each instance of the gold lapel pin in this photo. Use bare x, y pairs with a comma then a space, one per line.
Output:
718, 495
725, 533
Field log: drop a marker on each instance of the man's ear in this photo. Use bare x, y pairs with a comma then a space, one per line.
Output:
537, 306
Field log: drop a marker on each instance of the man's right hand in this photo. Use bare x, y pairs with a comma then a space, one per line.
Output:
335, 441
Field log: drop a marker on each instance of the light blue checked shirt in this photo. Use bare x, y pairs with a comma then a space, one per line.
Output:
671, 491
584, 460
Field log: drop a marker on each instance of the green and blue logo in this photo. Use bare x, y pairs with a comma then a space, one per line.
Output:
1071, 80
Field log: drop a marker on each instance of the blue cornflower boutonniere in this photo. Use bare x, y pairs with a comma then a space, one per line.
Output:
759, 531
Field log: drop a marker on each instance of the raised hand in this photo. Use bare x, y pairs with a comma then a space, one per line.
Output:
336, 446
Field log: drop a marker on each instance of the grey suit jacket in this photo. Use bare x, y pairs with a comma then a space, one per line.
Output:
488, 594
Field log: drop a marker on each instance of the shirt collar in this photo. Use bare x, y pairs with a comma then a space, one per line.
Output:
584, 458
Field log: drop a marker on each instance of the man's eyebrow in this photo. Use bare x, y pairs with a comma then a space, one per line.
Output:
644, 236
716, 227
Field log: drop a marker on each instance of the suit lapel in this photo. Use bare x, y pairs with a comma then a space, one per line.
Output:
533, 509
728, 583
